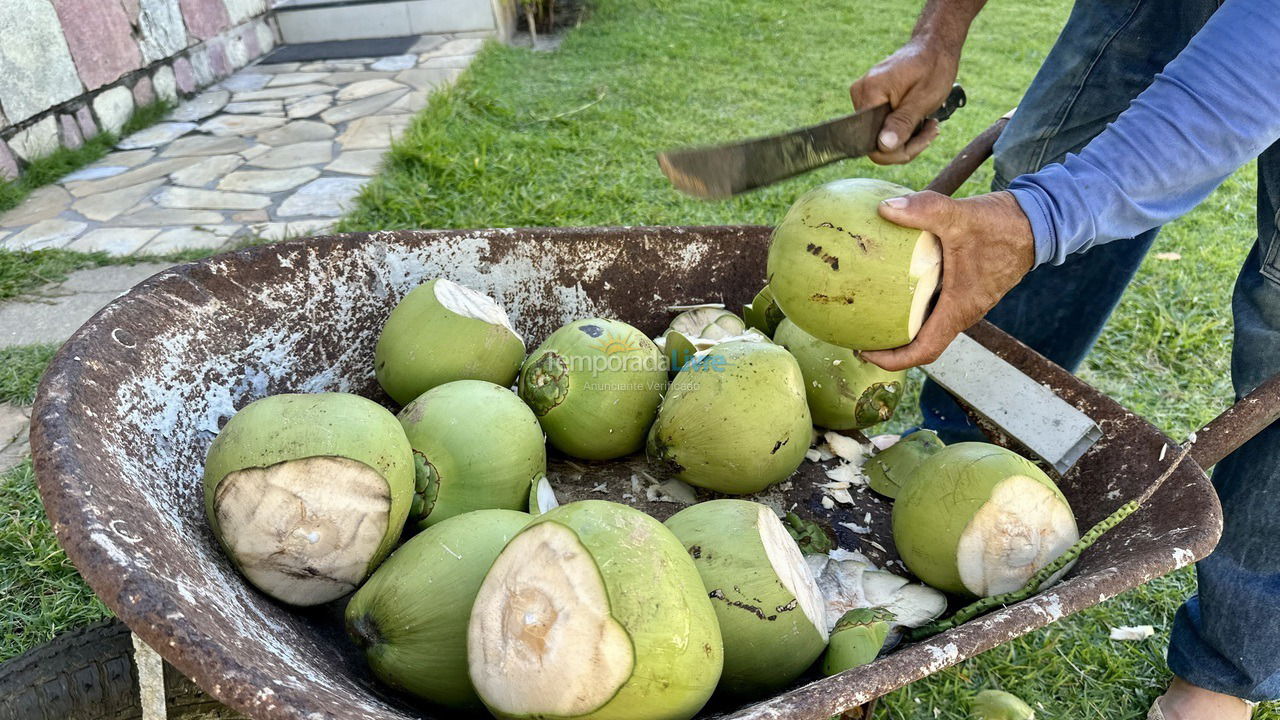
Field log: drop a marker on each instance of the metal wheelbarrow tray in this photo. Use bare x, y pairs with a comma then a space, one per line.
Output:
132, 401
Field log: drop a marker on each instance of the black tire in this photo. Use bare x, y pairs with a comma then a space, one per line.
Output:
90, 674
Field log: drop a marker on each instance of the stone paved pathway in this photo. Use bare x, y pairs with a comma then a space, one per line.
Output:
274, 151
271, 152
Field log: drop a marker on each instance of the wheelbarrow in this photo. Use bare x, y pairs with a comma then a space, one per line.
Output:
131, 402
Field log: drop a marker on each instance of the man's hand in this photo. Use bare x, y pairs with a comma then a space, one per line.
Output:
987, 246
915, 81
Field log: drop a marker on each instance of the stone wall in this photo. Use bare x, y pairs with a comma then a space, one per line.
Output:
72, 68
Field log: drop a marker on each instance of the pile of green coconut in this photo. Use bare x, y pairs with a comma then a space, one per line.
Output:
466, 585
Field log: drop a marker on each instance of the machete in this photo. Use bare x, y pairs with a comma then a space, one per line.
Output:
721, 171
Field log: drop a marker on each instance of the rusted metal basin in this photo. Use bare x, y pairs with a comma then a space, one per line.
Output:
131, 402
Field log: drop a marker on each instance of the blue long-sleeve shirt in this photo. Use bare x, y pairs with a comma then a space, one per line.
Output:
1215, 107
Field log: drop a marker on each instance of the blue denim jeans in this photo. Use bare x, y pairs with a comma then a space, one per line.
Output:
1227, 638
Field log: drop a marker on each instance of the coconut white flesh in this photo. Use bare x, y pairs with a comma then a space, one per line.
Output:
926, 270
304, 531
544, 498
468, 303
792, 570
916, 604
1022, 528
541, 640
841, 587
880, 587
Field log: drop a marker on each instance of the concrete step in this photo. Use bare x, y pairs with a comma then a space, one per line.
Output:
306, 21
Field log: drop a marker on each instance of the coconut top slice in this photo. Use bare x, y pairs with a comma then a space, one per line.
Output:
542, 641
1023, 527
926, 271
304, 531
792, 570
471, 304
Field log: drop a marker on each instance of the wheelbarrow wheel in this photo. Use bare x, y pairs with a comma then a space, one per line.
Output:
90, 674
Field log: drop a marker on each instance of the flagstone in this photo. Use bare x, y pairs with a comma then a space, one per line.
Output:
194, 199
423, 78
207, 170
201, 106
107, 206
95, 173
167, 216
53, 233
42, 204
239, 125
277, 231
157, 134
368, 106
395, 63
114, 240
326, 197
297, 78
346, 78
255, 107
296, 155
191, 238
144, 173
246, 82
127, 158
308, 106
357, 162
197, 145
296, 132
284, 93
366, 88
268, 181
377, 131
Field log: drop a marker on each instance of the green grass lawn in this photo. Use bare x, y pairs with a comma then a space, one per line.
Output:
568, 138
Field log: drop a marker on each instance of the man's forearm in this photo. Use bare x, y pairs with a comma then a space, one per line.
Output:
947, 22
1215, 107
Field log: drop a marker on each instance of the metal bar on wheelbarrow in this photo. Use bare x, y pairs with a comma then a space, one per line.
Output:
970, 158
1048, 426
1237, 424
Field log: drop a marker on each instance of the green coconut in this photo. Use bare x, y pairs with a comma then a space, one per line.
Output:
410, 618
887, 471
980, 520
763, 313
848, 276
596, 611
999, 705
307, 493
735, 420
768, 604
844, 391
595, 386
476, 446
857, 639
441, 332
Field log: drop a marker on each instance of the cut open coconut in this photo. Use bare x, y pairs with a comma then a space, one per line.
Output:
560, 627
307, 493
769, 606
979, 519
441, 332
303, 531
848, 276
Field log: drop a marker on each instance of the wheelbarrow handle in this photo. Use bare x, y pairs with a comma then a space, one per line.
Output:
970, 159
1237, 424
